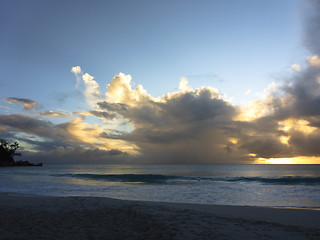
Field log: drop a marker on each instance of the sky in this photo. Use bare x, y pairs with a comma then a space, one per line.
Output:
181, 82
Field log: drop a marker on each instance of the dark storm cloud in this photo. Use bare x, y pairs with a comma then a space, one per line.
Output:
303, 95
27, 104
183, 108
265, 147
115, 152
306, 145
188, 127
192, 107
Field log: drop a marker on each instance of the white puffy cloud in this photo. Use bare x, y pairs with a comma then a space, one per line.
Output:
92, 89
120, 91
77, 72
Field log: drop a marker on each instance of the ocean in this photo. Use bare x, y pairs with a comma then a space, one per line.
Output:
242, 185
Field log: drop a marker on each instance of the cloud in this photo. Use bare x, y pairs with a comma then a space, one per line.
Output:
284, 123
27, 104
92, 89
52, 113
183, 87
57, 139
314, 61
101, 114
120, 91
27, 124
296, 67
193, 126
77, 72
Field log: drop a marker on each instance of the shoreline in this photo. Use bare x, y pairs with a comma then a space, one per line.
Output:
32, 216
162, 202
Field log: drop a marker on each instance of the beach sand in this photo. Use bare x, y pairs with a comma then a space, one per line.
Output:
41, 217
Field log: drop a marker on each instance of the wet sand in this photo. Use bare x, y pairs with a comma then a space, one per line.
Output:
41, 217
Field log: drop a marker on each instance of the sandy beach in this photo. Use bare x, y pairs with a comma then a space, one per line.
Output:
42, 217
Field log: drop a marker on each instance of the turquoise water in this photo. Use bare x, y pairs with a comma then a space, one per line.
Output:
252, 185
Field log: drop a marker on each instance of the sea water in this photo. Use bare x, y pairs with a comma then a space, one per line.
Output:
248, 185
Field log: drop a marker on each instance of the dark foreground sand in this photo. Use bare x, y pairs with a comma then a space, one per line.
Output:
35, 217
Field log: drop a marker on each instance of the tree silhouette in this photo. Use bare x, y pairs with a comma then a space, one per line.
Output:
8, 151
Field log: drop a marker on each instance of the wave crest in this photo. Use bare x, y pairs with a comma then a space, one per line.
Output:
172, 179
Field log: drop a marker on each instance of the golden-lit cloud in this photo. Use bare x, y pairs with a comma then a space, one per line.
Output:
90, 134
300, 125
27, 104
183, 86
266, 105
296, 67
52, 113
314, 61
120, 91
284, 139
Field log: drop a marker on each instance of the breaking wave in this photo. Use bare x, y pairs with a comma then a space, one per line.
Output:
172, 179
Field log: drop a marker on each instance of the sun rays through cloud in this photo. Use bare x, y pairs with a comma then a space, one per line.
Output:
188, 125
102, 116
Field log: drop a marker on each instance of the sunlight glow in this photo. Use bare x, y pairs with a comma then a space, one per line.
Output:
91, 134
297, 125
284, 139
234, 140
293, 160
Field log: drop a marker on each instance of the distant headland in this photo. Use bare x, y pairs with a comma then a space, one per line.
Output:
7, 153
